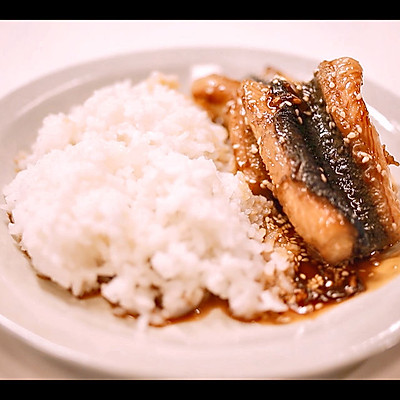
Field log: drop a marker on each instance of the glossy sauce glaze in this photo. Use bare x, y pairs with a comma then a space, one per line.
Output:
317, 291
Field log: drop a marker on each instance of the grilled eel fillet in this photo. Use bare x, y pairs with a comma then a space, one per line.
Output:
323, 158
218, 95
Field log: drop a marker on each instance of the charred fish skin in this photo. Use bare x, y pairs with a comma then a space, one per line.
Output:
321, 158
322, 155
344, 186
340, 81
275, 113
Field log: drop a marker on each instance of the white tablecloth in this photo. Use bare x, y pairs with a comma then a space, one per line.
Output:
32, 49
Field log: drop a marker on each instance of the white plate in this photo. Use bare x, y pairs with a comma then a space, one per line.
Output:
85, 332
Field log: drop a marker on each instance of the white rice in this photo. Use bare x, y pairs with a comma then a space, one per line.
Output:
133, 193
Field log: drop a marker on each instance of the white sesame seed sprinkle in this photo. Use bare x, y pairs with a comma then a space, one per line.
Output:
351, 135
254, 149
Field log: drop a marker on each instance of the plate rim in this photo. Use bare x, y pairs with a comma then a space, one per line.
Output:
12, 97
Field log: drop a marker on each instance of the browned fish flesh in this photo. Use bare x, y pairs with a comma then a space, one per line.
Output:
215, 93
218, 96
328, 168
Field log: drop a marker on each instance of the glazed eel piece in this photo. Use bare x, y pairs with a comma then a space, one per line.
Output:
219, 96
328, 168
322, 156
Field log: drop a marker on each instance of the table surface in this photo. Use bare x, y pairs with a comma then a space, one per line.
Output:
31, 49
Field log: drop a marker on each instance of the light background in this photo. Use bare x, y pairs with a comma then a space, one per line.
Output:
30, 49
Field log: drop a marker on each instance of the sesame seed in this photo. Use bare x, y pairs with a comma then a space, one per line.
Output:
209, 90
351, 135
300, 120
358, 96
365, 159
323, 178
254, 149
331, 85
363, 154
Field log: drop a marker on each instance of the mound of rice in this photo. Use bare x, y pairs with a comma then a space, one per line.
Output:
133, 194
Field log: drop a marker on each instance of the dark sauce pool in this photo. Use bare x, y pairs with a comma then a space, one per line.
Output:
318, 288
